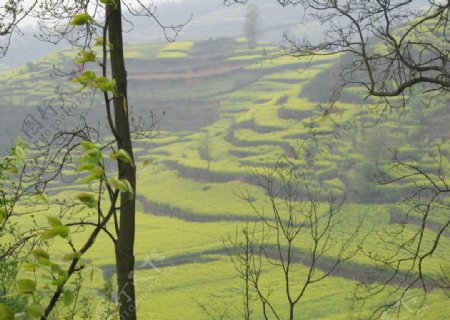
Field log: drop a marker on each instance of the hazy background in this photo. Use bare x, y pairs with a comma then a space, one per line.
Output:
210, 19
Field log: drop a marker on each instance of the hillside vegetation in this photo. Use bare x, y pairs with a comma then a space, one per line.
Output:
226, 113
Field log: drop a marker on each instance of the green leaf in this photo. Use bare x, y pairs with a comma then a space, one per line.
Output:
88, 199
61, 231
56, 268
122, 185
99, 171
35, 310
81, 19
45, 262
49, 234
86, 166
92, 155
62, 277
6, 313
20, 153
54, 222
64, 274
114, 183
121, 155
39, 253
87, 145
86, 78
129, 188
96, 172
72, 256
20, 142
68, 297
104, 84
88, 178
26, 286
86, 56
99, 41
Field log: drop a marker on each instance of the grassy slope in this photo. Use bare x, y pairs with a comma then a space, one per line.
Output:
249, 131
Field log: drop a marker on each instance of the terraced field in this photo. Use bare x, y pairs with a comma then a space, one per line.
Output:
229, 114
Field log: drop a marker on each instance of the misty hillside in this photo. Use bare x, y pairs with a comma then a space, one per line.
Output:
223, 111
219, 125
204, 19
224, 92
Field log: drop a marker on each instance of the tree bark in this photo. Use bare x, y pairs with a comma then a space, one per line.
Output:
124, 248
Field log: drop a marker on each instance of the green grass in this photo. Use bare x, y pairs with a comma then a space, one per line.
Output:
142, 51
203, 199
278, 61
179, 46
244, 58
175, 50
215, 285
171, 55
246, 133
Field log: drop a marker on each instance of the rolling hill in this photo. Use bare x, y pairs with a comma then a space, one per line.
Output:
224, 112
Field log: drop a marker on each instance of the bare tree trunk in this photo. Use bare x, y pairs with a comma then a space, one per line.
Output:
125, 242
247, 275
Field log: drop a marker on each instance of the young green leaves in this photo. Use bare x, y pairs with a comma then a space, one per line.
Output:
26, 286
6, 313
85, 57
81, 19
68, 297
57, 229
122, 155
92, 162
88, 199
90, 79
17, 157
56, 274
104, 84
40, 255
122, 185
35, 310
